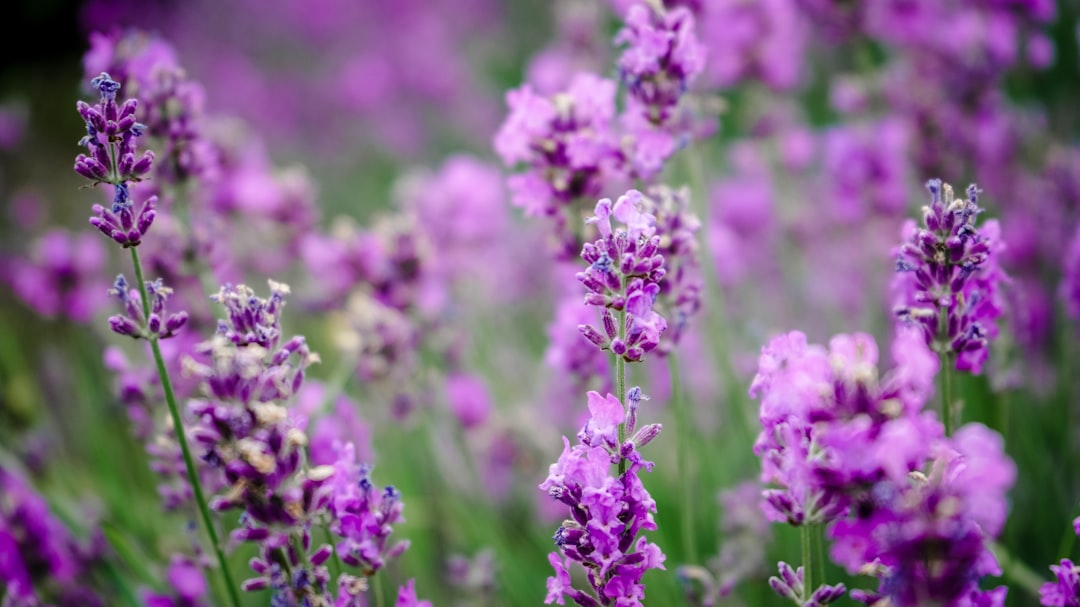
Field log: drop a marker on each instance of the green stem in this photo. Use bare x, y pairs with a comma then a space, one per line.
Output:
620, 376
376, 582
948, 410
338, 567
807, 560
1016, 570
178, 430
683, 431
819, 550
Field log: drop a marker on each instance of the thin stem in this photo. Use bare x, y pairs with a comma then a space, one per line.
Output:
819, 550
1017, 571
178, 430
376, 583
683, 432
338, 567
948, 410
807, 560
620, 376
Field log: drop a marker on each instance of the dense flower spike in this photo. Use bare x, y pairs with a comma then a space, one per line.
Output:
111, 131
948, 279
607, 512
364, 515
661, 58
625, 269
681, 290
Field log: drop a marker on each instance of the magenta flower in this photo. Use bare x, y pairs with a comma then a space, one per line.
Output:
661, 58
948, 279
60, 276
1065, 590
607, 513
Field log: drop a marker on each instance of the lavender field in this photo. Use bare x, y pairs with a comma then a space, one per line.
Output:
608, 303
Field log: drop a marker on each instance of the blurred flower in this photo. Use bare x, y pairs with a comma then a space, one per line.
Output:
60, 275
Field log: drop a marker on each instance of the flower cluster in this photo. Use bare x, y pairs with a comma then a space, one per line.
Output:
661, 58
681, 290
607, 512
625, 269
111, 131
791, 585
567, 143
1063, 591
858, 453
60, 275
134, 322
38, 551
948, 279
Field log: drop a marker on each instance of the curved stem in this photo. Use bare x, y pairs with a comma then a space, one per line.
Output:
178, 430
683, 431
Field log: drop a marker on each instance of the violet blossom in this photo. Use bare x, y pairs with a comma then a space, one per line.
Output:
948, 280
134, 323
607, 513
625, 269
1064, 591
60, 275
111, 133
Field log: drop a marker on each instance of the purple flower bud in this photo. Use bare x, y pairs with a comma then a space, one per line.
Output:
646, 434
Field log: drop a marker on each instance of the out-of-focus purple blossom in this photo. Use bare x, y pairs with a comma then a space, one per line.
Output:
928, 534
40, 560
577, 365
681, 290
185, 577
468, 399
364, 515
867, 169
134, 322
59, 276
745, 41
565, 143
625, 269
475, 575
607, 512
331, 429
661, 58
1070, 282
407, 596
13, 119
830, 423
1065, 590
948, 280
740, 227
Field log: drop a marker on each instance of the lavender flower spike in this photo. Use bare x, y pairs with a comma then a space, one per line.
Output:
625, 269
607, 513
111, 131
133, 322
948, 279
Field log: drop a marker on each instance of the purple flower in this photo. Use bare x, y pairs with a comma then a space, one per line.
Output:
948, 280
60, 275
565, 143
1065, 590
468, 399
364, 515
111, 131
186, 579
607, 513
625, 268
744, 41
661, 58
407, 596
134, 322
681, 290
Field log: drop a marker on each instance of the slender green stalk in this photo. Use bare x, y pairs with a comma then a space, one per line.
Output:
819, 551
1017, 571
178, 430
338, 567
620, 376
376, 582
683, 432
948, 409
807, 559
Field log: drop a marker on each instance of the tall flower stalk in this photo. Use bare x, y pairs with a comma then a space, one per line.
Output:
111, 133
947, 284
